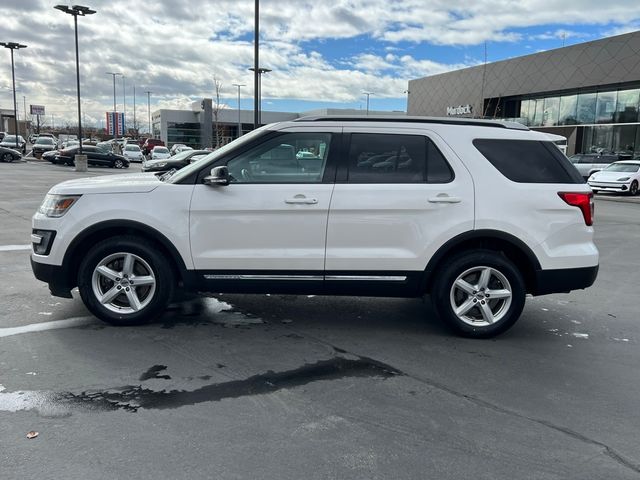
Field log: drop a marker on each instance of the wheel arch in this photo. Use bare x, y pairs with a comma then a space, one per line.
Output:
510, 246
113, 228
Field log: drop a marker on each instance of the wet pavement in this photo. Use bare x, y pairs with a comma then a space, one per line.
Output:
258, 386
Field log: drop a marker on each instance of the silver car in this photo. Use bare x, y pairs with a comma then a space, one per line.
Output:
588, 163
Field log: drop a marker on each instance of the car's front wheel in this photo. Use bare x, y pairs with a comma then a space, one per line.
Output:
633, 188
125, 281
118, 163
7, 157
479, 294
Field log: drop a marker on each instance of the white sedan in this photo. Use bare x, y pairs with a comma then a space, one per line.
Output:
160, 153
622, 176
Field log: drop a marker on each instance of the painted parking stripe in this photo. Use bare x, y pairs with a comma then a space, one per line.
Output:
14, 248
44, 326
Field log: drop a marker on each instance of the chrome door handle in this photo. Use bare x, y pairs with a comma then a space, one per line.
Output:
444, 198
301, 200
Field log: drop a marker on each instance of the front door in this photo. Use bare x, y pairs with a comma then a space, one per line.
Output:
267, 228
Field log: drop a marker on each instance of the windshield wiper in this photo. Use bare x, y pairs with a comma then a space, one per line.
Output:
167, 175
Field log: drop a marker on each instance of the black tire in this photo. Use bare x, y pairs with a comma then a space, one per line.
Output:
633, 189
503, 277
117, 163
148, 263
7, 157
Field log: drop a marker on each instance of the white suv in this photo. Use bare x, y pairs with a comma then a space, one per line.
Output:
476, 213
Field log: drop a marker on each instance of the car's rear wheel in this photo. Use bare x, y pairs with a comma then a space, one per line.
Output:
118, 163
125, 281
479, 294
7, 157
633, 188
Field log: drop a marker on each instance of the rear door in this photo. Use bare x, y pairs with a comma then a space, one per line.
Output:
400, 194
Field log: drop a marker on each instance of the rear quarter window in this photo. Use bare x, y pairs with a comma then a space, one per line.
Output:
528, 161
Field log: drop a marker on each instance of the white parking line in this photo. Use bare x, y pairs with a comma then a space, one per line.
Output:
13, 248
41, 327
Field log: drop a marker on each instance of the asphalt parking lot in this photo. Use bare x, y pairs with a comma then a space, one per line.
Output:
285, 387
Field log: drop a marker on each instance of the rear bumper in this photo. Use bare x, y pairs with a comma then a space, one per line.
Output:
55, 275
564, 280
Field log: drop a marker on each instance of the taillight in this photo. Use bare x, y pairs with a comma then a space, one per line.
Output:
582, 200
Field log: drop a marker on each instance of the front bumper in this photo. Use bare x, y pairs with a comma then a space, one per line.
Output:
610, 186
56, 276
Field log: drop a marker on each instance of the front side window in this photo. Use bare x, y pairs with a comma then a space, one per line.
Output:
288, 158
389, 158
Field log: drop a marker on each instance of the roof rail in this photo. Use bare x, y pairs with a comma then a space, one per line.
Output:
413, 119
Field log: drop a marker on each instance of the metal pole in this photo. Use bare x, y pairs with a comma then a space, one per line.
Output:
239, 122
24, 105
75, 21
256, 63
124, 107
135, 127
149, 111
15, 106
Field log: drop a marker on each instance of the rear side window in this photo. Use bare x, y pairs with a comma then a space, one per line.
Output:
389, 158
528, 161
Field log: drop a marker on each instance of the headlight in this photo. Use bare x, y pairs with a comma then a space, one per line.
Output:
57, 205
160, 165
623, 179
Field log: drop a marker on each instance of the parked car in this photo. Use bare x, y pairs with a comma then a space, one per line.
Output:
178, 161
179, 147
9, 141
9, 155
622, 176
42, 145
159, 153
51, 156
132, 152
95, 156
149, 143
450, 219
589, 163
32, 138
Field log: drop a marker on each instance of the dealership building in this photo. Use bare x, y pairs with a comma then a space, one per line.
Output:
588, 93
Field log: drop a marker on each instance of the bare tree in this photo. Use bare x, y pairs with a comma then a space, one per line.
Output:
216, 113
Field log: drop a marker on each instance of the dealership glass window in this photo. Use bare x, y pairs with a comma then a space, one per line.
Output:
551, 111
598, 139
524, 112
627, 106
187, 133
624, 139
537, 109
568, 109
605, 107
586, 111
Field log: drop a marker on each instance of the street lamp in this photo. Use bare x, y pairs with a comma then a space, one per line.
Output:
239, 123
124, 107
77, 10
14, 46
258, 94
367, 94
115, 112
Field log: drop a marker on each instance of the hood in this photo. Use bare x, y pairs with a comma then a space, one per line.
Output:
611, 176
127, 183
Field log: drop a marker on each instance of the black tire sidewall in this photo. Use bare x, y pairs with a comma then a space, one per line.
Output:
631, 192
151, 254
462, 262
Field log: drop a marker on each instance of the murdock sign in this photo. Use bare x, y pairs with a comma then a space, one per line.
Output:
460, 110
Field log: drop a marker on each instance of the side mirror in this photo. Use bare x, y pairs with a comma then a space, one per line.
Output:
218, 176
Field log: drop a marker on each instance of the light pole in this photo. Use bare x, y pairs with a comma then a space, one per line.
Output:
256, 66
258, 109
14, 46
124, 107
77, 10
367, 94
239, 122
135, 125
148, 92
115, 112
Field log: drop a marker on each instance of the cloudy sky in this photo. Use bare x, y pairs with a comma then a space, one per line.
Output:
322, 53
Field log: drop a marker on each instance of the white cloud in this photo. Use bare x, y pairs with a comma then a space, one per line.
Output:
174, 48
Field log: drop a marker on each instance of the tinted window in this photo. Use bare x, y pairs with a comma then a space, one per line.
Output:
277, 160
388, 158
528, 161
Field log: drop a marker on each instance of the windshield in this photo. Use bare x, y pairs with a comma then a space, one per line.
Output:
622, 167
195, 166
132, 148
160, 150
44, 141
9, 138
